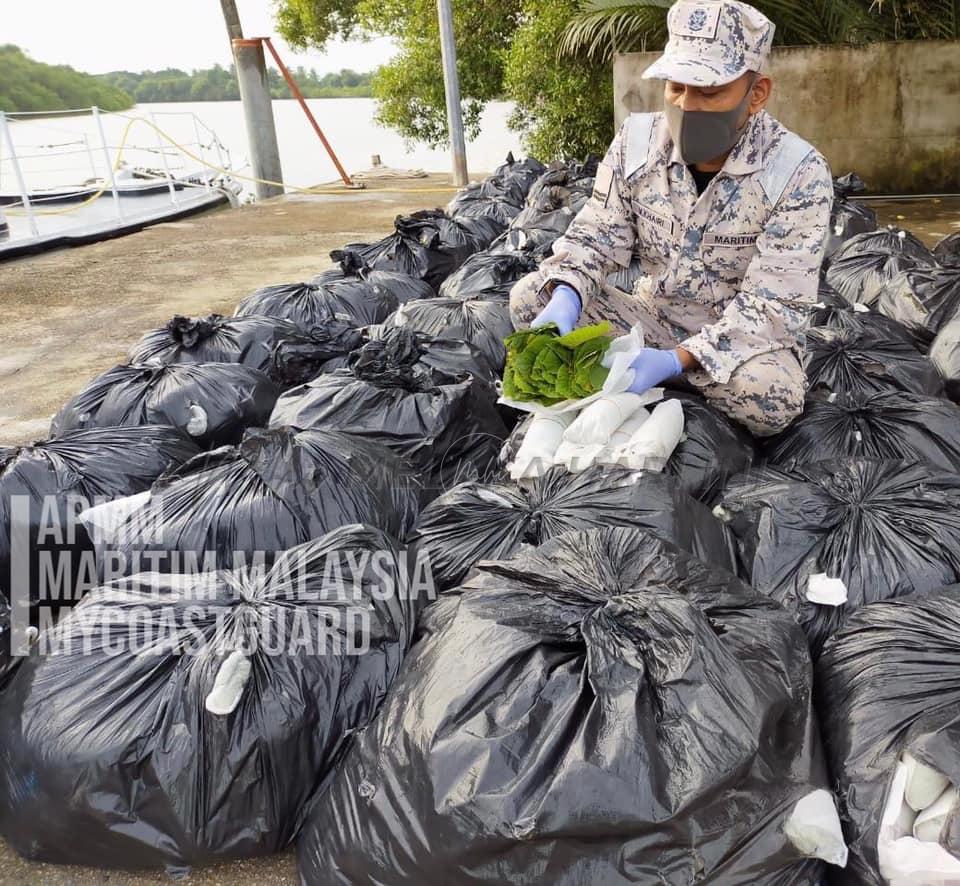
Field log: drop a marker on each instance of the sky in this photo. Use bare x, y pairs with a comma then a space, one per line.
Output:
97, 36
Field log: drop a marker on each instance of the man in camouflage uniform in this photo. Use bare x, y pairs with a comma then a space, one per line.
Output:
730, 244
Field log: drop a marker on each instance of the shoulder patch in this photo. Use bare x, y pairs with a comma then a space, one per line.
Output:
782, 164
639, 133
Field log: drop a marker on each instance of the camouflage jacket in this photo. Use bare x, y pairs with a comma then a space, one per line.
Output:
725, 267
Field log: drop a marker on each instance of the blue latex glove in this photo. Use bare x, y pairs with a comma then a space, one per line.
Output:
652, 367
563, 309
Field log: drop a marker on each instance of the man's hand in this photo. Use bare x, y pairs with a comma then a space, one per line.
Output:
652, 367
563, 309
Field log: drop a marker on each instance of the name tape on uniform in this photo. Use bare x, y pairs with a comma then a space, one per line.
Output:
667, 225
731, 239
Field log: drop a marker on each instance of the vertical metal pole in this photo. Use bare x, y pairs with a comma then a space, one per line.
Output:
21, 183
163, 157
203, 156
232, 19
258, 113
448, 49
106, 154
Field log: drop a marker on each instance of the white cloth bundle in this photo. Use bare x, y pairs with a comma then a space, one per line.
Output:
653, 443
814, 828
906, 860
536, 454
591, 434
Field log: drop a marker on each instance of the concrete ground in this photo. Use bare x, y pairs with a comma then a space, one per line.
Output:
71, 314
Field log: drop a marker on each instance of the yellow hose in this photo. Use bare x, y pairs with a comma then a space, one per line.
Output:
123, 144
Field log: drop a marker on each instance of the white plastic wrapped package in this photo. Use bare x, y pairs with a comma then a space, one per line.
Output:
591, 435
904, 859
651, 446
536, 454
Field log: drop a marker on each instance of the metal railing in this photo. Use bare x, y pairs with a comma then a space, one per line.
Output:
34, 167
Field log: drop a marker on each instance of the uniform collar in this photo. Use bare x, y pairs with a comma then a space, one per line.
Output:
747, 155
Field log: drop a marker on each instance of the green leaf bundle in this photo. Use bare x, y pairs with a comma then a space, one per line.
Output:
547, 368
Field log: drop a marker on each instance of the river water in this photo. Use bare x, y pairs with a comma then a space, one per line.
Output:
347, 123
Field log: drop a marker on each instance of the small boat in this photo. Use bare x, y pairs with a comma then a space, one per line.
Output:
98, 208
130, 183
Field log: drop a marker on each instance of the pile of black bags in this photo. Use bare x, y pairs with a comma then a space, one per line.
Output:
145, 759
476, 522
613, 682
882, 528
447, 425
278, 488
604, 709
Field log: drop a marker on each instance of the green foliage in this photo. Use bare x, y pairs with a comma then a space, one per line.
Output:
220, 84
505, 49
410, 87
551, 57
603, 27
26, 85
544, 367
306, 23
564, 106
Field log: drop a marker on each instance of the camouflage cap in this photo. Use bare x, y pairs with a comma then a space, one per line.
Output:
713, 42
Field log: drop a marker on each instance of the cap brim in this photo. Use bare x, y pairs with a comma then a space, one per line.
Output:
690, 72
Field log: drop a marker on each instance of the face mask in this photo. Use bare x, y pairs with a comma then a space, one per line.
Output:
702, 136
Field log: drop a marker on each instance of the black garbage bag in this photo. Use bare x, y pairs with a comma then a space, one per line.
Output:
242, 504
711, 451
46, 554
297, 361
448, 359
484, 324
889, 424
605, 709
473, 202
249, 341
475, 521
567, 184
835, 312
212, 403
488, 276
884, 528
947, 251
945, 355
862, 360
887, 684
429, 245
848, 216
922, 300
513, 178
448, 428
537, 228
312, 305
863, 265
360, 280
124, 754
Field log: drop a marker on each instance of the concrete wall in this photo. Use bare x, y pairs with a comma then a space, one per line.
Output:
889, 111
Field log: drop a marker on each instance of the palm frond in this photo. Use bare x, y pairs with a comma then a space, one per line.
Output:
604, 27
